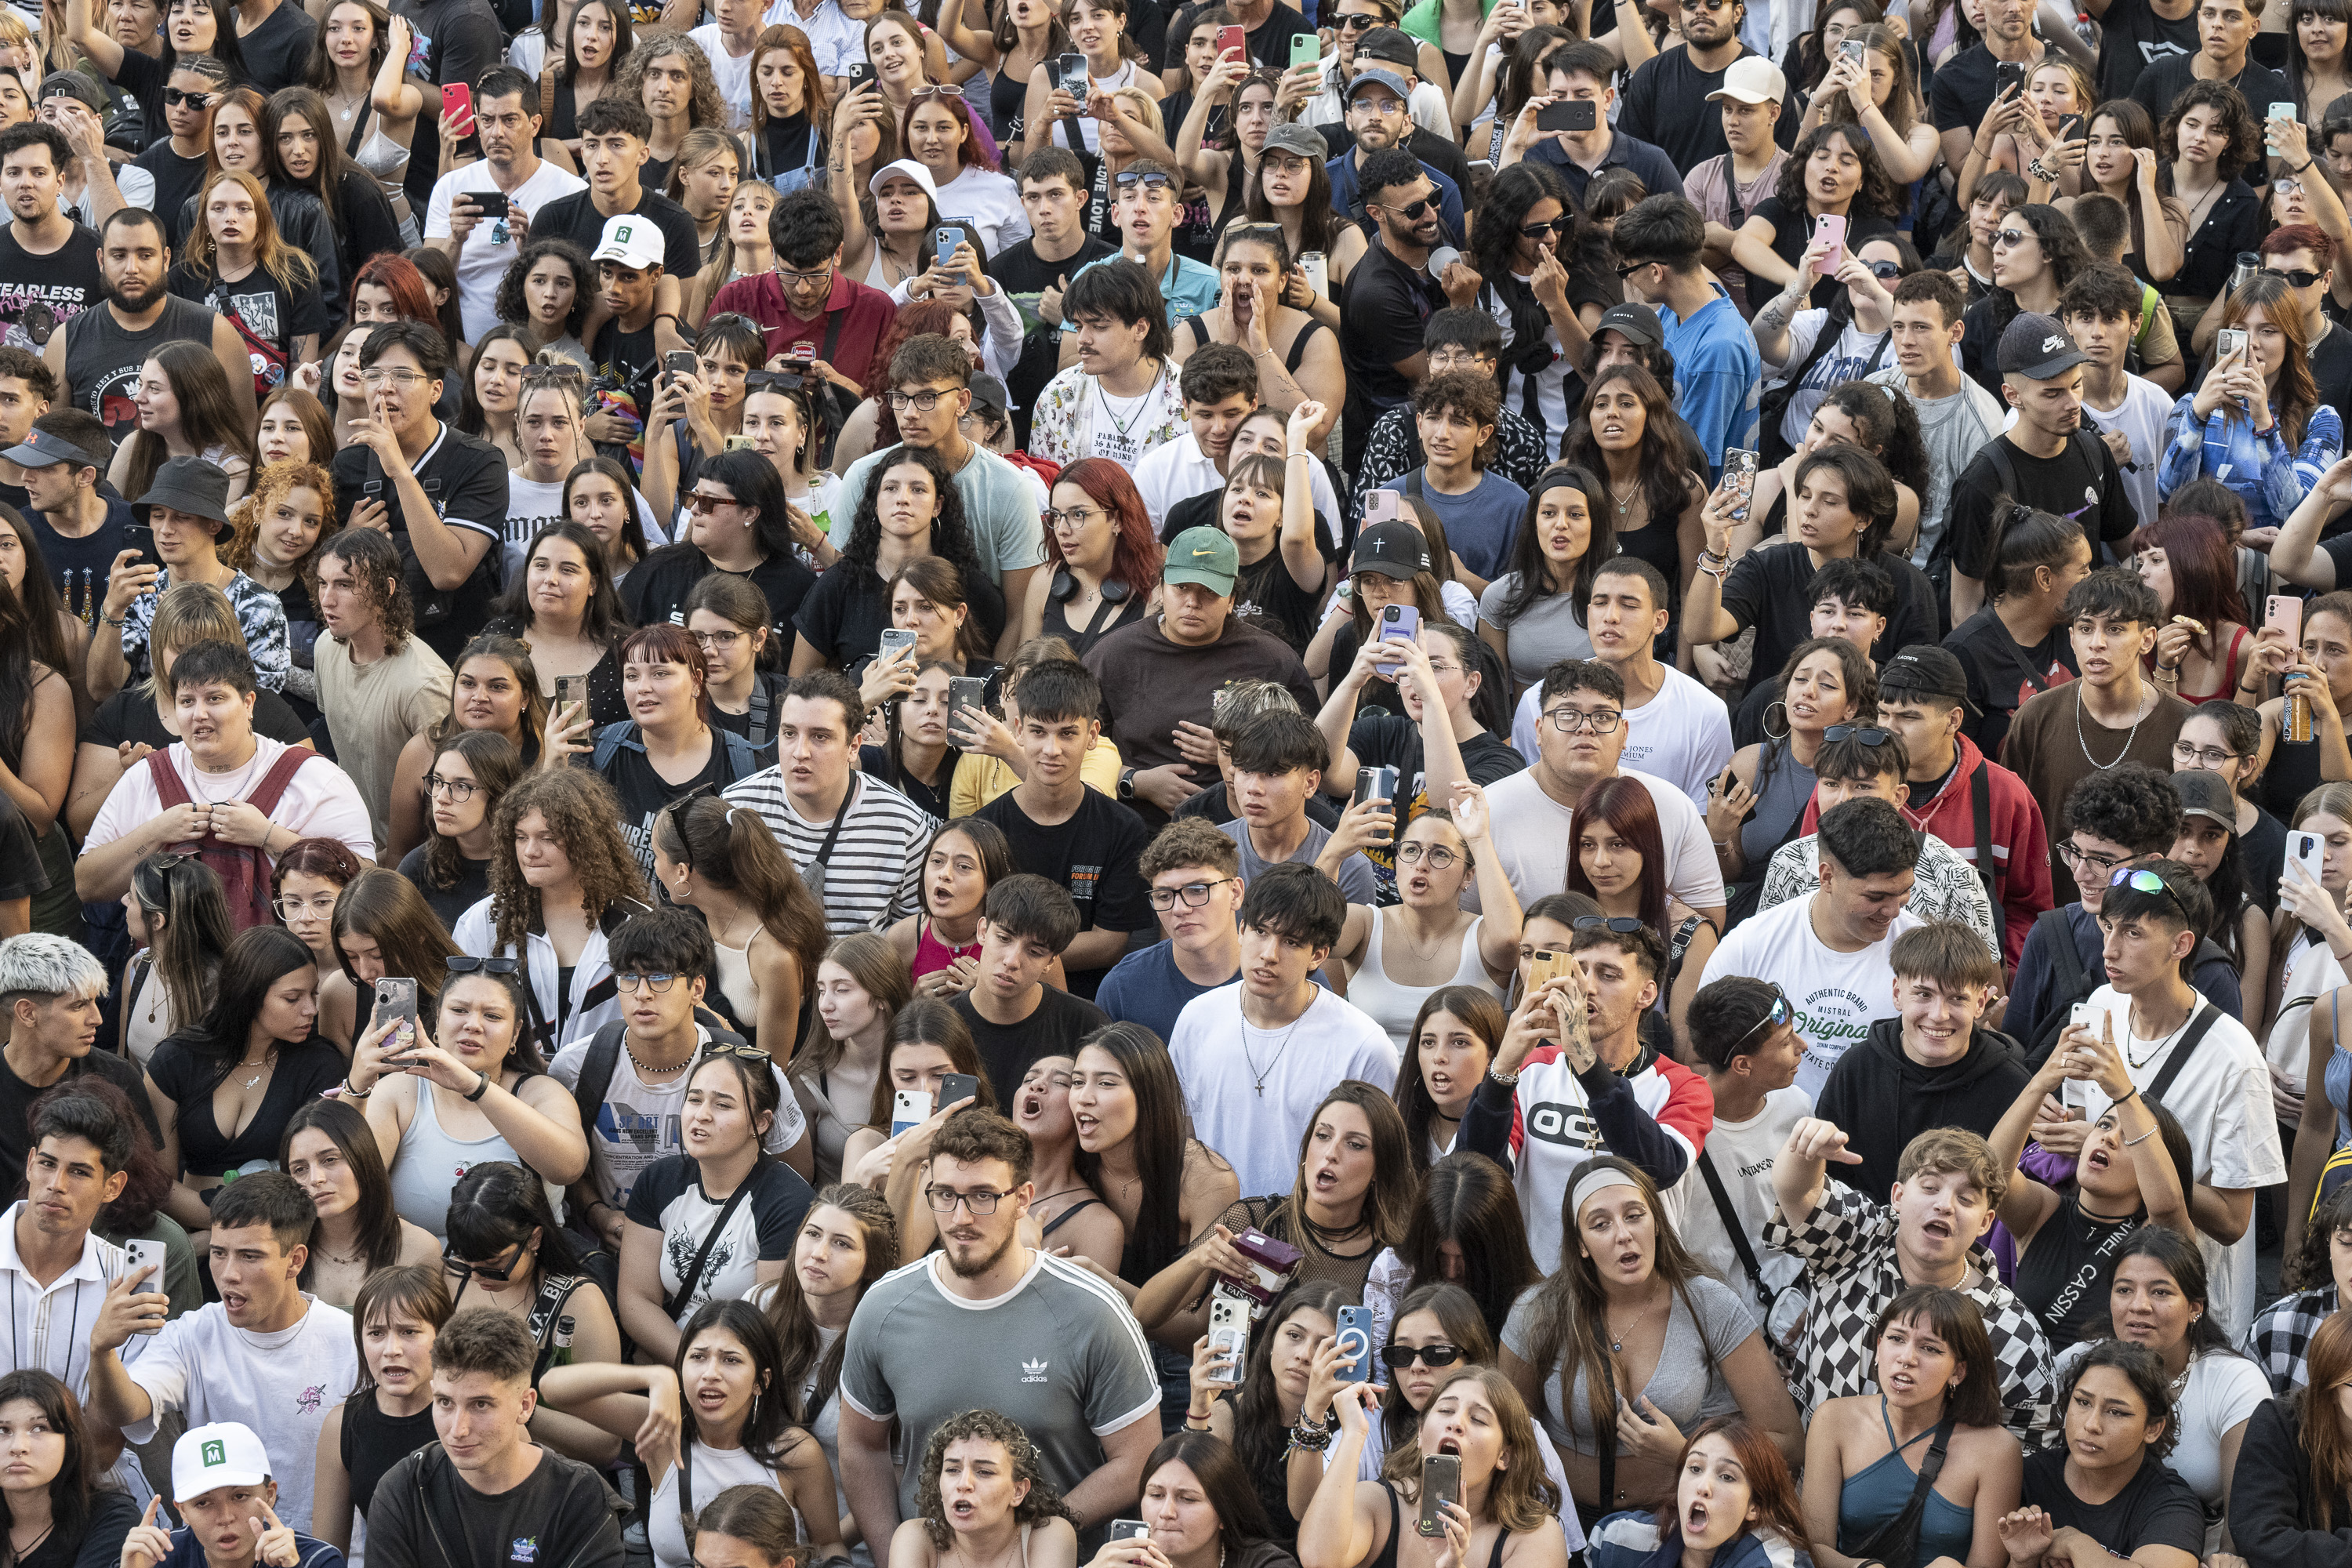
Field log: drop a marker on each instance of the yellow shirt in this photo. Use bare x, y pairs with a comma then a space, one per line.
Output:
979, 779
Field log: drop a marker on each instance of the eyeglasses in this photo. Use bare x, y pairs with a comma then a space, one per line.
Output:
717, 642
400, 378
465, 963
1562, 226
459, 790
1780, 1012
2090, 857
496, 1273
2004, 238
1568, 721
943, 1200
703, 500
294, 909
1402, 1356
2142, 881
659, 980
1443, 360
1624, 925
1077, 517
1194, 894
920, 93
921, 402
2300, 277
1386, 107
1437, 856
737, 1050
2185, 753
173, 99
1869, 735
1129, 179
789, 278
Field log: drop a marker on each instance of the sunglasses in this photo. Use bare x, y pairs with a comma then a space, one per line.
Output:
465, 963
1562, 226
2011, 236
1358, 23
1411, 212
496, 1273
1884, 269
1130, 178
1781, 1012
1624, 925
1869, 735
774, 380
1402, 1356
2142, 881
724, 1048
2300, 277
173, 99
1630, 269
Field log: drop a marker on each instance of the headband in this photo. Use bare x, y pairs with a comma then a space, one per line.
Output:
1607, 1176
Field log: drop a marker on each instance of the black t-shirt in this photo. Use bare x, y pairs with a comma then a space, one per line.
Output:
2062, 1279
560, 1516
176, 178
39, 293
2002, 676
1388, 740
111, 1515
844, 615
1023, 276
1007, 1050
574, 217
1265, 596
2081, 482
656, 590
278, 53
472, 886
2331, 368
465, 479
1094, 855
2263, 849
1268, 42
1962, 95
2156, 1507
130, 715
1766, 590
1665, 104
270, 316
1792, 230
2133, 37
94, 553
645, 794
2164, 80
629, 358
874, 762
16, 1098
1386, 307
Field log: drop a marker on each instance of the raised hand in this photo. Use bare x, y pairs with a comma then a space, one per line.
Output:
1812, 1140
276, 1546
147, 1542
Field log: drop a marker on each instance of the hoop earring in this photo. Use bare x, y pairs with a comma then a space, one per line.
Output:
1782, 733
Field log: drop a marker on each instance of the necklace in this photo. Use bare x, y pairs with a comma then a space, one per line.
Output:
1624, 503
1135, 405
643, 1071
1257, 1079
2156, 1048
21, 1553
2082, 741
1617, 1336
263, 1065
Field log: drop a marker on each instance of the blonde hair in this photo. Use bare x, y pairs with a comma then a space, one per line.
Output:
292, 267
187, 614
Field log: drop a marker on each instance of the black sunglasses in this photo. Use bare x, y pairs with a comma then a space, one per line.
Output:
2300, 277
1411, 212
496, 1273
174, 98
1624, 925
1630, 269
465, 963
774, 380
1357, 23
1562, 226
1428, 1355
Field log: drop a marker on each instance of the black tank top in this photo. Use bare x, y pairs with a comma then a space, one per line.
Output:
2062, 1279
374, 1442
103, 361
1108, 619
1008, 95
2293, 773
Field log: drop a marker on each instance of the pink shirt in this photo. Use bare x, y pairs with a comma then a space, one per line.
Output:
319, 802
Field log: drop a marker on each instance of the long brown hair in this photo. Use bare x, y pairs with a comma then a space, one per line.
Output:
347, 1129
208, 414
1388, 1202
497, 766
788, 1309
1771, 1491
733, 848
385, 905
927, 1021
1478, 1012
2298, 395
293, 270
1520, 1497
880, 973
2326, 1433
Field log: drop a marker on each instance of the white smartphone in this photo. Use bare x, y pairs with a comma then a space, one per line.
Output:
2075, 1093
2304, 849
140, 1254
912, 1108
1228, 1336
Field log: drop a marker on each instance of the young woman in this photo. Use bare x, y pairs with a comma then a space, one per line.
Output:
1833, 169
236, 258
2029, 126
1201, 1510
784, 426
2119, 134
224, 1088
546, 293
505, 1251
727, 619
1734, 1506
1418, 571
1395, 957
1294, 191
2318, 68
1102, 556
983, 1498
179, 918
199, 37
1454, 1035
940, 944
395, 1319
937, 132
2296, 1462
2188, 561
599, 495
56, 1511
559, 866
1466, 1230
303, 888
1055, 116
912, 509
1009, 44
2286, 773
790, 116
366, 231
1940, 1406
1297, 360
1134, 1148
565, 611
185, 411
276, 536
1628, 440
1220, 168
1534, 614
494, 390
1878, 94
768, 928
596, 42
740, 522
494, 689
1851, 414
742, 248
2118, 1406
469, 775
358, 68
1759, 804
710, 162
328, 1149
692, 416
928, 1040
2257, 422
1270, 1397
1618, 861
861, 986
1072, 1218
914, 757
381, 925
2209, 139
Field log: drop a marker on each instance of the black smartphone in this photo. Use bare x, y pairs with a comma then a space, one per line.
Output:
1441, 1481
955, 1087
493, 203
1576, 114
679, 362
860, 72
140, 537
2006, 74
2070, 127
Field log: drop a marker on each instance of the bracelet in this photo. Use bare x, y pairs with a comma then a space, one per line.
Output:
1508, 1080
350, 1093
481, 1088
114, 621
2133, 1143
2307, 163
1311, 1437
2041, 171
2123, 1100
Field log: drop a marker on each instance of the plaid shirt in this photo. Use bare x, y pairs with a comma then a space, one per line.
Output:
1847, 1246
2280, 1341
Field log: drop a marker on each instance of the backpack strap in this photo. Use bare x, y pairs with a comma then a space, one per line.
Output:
597, 1071
272, 788
1980, 782
761, 701
742, 756
2199, 1027
611, 738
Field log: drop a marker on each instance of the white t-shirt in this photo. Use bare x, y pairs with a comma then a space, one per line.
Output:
639, 1123
1250, 1090
280, 1384
1531, 840
1837, 995
2222, 1100
990, 203
320, 801
483, 260
532, 506
2141, 417
1682, 735
733, 75
1742, 1154
2312, 971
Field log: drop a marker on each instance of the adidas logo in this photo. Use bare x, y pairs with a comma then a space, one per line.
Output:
1033, 1371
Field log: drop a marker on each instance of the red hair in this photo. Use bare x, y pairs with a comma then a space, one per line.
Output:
1135, 552
915, 318
2204, 566
1625, 807
973, 154
2300, 237
1770, 1491
411, 295
668, 643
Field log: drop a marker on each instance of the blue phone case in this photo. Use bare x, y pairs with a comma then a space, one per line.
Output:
1355, 1339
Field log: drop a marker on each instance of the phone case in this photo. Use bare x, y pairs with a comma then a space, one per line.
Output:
567, 691
943, 243
137, 1254
2285, 611
1441, 1481
1306, 49
1232, 39
967, 691
395, 997
1130, 1529
1377, 783
457, 101
955, 1087
1229, 1335
1547, 963
895, 638
1355, 1338
908, 1108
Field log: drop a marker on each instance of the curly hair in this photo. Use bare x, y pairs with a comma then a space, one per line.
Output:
951, 534
1042, 1503
511, 307
375, 568
704, 106
581, 809
1876, 198
271, 484
2245, 136
2313, 1267
1889, 427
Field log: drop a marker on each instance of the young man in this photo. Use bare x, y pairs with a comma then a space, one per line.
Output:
505, 1498
97, 358
441, 493
1582, 73
1828, 953
628, 262
27, 390
1326, 110
660, 960
1149, 205
1379, 116
1956, 417
2199, 1062
1001, 502
1159, 677
1961, 102
228, 789
2225, 31
2105, 224
2113, 713
1716, 365
1256, 1057
2143, 31
92, 188
2044, 460
1944, 888
2101, 309
48, 263
1676, 729
186, 507
1195, 876
380, 685
1581, 740
1595, 1087
1668, 95
806, 298
1049, 1345
1120, 399
459, 227
223, 1489
265, 1354
1239, 705
1263, 432
1071, 834
1852, 600
1935, 1064
50, 988
1482, 510
613, 135
856, 841
1744, 1034
1277, 768
76, 521
1036, 272
726, 42
1219, 385
1458, 338
1391, 294
1735, 181
1014, 1017
179, 160
1859, 1254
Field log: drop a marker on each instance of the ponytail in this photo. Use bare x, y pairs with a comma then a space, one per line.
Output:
2022, 540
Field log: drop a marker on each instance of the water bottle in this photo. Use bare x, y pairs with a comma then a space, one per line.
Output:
563, 1356
2087, 30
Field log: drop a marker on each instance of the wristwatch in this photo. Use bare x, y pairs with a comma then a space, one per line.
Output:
1127, 784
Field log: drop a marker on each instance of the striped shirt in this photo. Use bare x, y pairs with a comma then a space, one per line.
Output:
48, 1325
873, 875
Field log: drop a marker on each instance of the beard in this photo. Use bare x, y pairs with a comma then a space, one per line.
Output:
973, 1265
132, 297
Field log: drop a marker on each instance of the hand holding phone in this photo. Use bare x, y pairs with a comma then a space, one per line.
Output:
457, 105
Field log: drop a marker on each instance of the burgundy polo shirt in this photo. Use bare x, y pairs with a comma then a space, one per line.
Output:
861, 314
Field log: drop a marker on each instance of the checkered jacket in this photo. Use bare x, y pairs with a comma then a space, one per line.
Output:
1847, 1246
2280, 1341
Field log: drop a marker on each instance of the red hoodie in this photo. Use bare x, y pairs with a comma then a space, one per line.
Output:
2021, 842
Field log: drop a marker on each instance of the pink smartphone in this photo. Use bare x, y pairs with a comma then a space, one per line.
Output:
2285, 612
1231, 41
1831, 228
458, 102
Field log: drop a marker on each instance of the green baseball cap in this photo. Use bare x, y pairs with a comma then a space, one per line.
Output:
1203, 555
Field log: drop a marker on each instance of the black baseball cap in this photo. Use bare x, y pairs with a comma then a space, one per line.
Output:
1391, 548
2038, 348
1925, 669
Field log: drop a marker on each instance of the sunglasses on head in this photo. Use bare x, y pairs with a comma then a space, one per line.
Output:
2142, 881
465, 963
1624, 925
772, 380
1781, 1012
1129, 178
1868, 734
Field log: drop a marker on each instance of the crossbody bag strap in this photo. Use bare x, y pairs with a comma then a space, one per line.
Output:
1733, 1228
1898, 1541
2197, 1030
693, 1275
1981, 807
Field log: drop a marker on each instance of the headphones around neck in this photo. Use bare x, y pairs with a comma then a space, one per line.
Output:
1065, 588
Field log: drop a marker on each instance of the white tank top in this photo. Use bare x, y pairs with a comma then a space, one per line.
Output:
715, 1469
429, 1162
1393, 1006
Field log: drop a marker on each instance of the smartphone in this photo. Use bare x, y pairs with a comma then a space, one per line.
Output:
140, 537
2070, 127
967, 691
1576, 114
1379, 506
1375, 784
458, 103
2229, 342
739, 444
955, 1087
1739, 467
1546, 963
137, 1255
1230, 39
1071, 72
908, 1108
1399, 623
1852, 50
679, 362
1306, 49
860, 72
1441, 1482
944, 241
893, 639
1130, 1529
1831, 228
493, 203
802, 353
2008, 74
395, 997
1355, 1338
2304, 849
2284, 611
569, 688
1229, 1335
2284, 110
2075, 1093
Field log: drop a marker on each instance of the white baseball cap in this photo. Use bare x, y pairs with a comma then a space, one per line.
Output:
1752, 79
224, 1454
633, 241
911, 170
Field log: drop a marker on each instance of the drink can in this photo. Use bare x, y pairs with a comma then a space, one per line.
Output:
2294, 714
1318, 276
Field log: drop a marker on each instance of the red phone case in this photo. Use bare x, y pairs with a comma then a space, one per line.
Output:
458, 99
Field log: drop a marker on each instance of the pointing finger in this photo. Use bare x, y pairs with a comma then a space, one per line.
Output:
153, 1504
